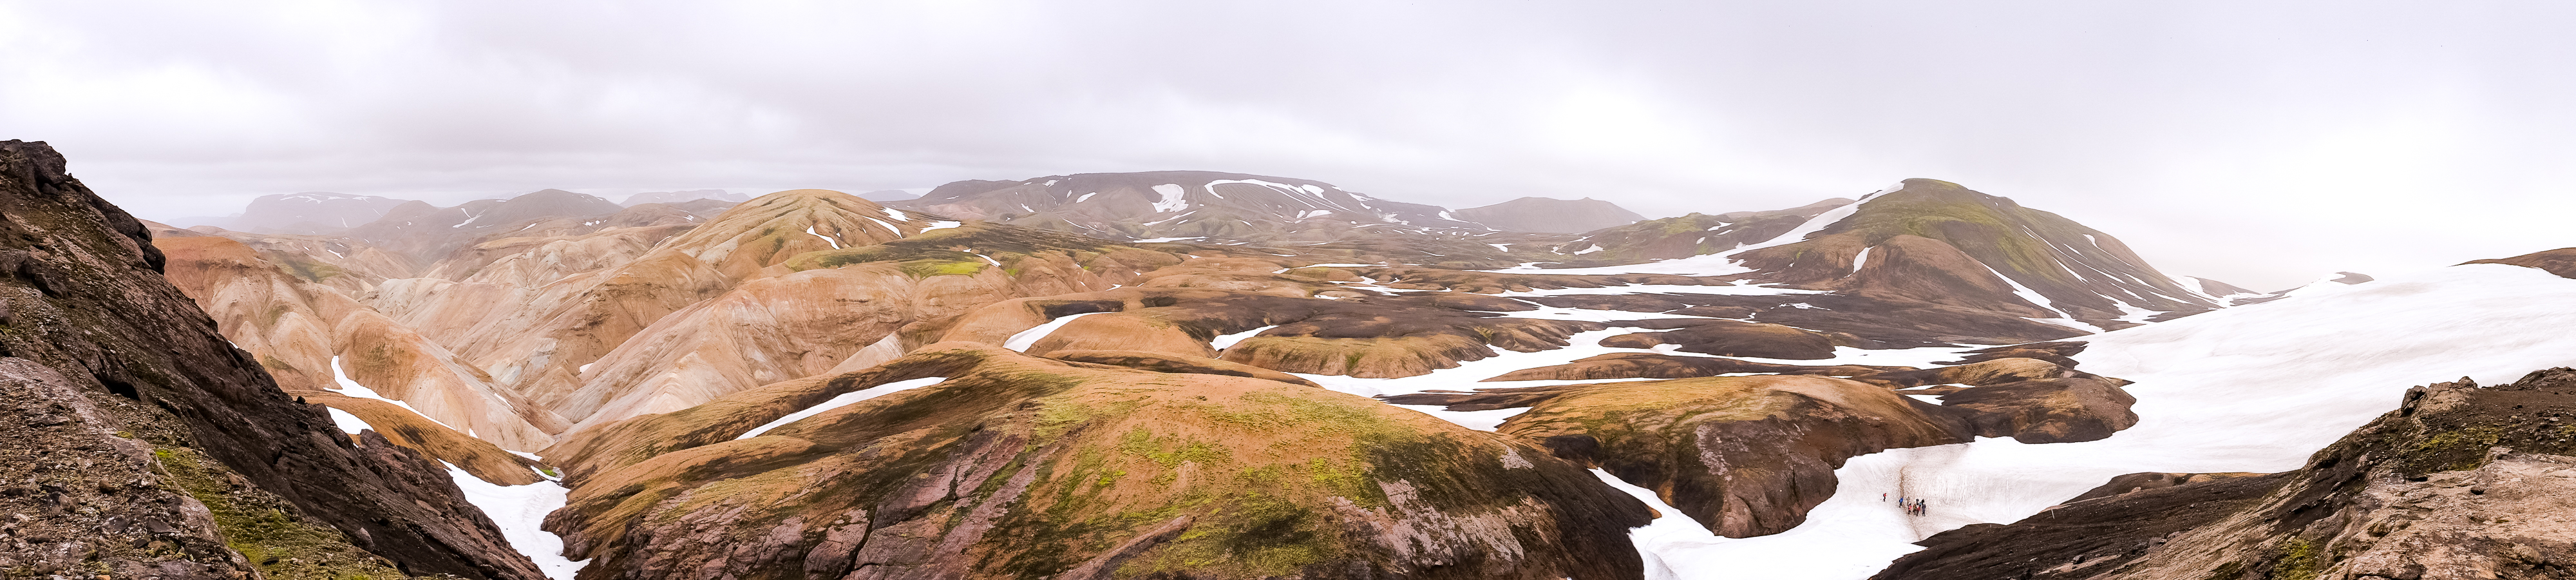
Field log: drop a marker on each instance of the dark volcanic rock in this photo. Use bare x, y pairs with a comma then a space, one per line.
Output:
2081, 539
89, 315
2137, 482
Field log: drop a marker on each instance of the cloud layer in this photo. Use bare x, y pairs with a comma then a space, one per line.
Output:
2258, 143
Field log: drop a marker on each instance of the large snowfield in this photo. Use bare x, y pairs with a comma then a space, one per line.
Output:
2255, 388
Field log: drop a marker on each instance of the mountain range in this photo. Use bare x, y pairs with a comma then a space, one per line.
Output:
1191, 374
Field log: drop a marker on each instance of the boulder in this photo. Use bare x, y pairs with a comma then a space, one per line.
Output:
1745, 456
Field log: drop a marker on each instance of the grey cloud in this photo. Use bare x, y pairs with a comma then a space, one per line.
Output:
2258, 143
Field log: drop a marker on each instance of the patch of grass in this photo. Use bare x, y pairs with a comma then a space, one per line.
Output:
2297, 559
280, 544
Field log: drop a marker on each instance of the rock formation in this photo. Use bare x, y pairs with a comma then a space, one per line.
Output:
154, 448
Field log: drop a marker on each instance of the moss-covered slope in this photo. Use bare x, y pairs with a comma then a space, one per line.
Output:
1021, 467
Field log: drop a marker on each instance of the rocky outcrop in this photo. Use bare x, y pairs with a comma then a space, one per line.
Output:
1539, 214
1170, 363
2137, 482
1014, 467
2460, 482
117, 361
1735, 338
2560, 261
1641, 365
1183, 204
1745, 456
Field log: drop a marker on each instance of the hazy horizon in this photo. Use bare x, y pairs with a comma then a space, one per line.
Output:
2261, 145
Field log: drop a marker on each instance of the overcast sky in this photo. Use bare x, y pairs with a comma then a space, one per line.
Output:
2261, 143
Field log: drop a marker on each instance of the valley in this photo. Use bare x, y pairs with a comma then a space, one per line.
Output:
1190, 374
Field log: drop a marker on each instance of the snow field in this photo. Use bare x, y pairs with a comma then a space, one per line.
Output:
2256, 388
519, 510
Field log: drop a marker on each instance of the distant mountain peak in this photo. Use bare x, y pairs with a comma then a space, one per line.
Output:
1541, 214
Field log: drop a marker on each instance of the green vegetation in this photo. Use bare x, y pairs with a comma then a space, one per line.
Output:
2297, 559
279, 543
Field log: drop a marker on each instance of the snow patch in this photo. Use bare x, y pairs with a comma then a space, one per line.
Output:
844, 400
519, 510
1172, 200
1223, 341
1021, 341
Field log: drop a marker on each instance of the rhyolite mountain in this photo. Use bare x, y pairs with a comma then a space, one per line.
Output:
1540, 214
312, 212
1184, 204
142, 444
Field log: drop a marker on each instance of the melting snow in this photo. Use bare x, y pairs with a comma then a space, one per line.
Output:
347, 422
1172, 200
519, 510
940, 225
353, 389
1862, 259
844, 400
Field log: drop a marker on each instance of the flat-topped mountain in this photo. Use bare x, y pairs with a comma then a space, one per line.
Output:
312, 212
1540, 214
1184, 204
684, 196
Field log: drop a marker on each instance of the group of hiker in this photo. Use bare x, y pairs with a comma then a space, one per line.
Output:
1912, 506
